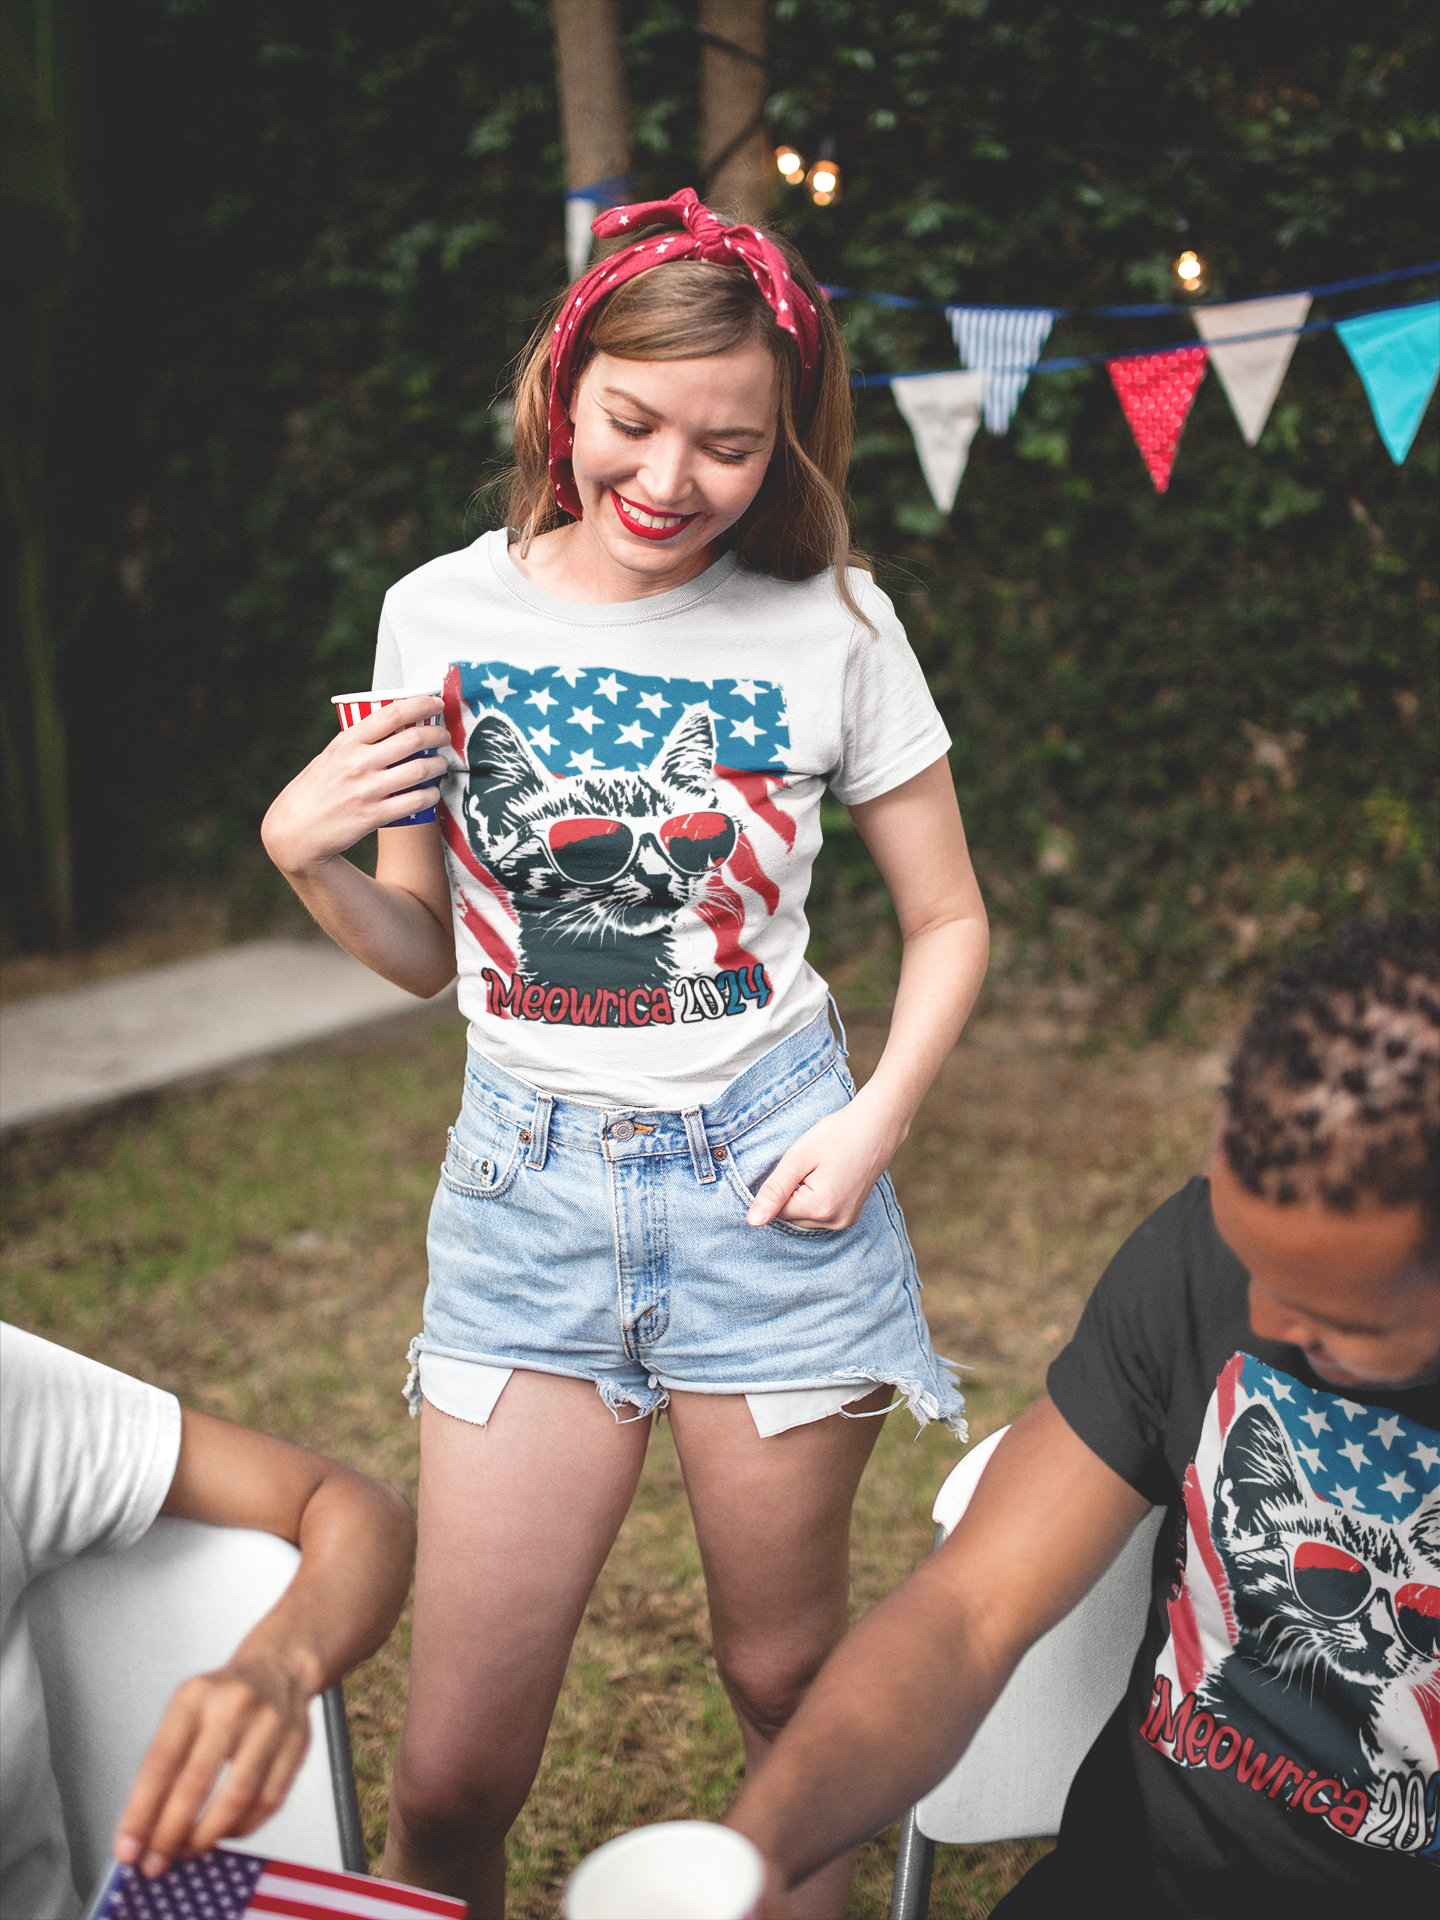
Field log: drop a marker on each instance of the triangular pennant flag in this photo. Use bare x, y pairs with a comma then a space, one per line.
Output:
1004, 338
1251, 370
943, 410
1156, 391
1397, 355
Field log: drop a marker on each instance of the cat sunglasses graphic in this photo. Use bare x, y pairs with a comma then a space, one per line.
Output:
1336, 1585
592, 850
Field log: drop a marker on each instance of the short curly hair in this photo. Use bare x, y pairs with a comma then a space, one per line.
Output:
1334, 1090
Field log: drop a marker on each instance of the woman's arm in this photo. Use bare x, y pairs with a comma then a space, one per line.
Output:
918, 842
398, 923
357, 1543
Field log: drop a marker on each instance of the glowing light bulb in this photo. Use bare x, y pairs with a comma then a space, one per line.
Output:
1189, 271
823, 181
790, 165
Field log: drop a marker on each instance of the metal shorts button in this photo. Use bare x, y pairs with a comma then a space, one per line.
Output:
623, 1130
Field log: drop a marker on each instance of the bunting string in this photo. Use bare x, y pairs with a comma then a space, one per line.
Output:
1070, 363
1132, 312
1395, 350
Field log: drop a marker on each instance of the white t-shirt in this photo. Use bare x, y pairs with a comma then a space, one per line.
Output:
633, 807
86, 1460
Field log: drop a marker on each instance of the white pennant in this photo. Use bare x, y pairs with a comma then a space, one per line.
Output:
943, 411
1252, 370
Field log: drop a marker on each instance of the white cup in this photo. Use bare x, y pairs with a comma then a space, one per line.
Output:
679, 1870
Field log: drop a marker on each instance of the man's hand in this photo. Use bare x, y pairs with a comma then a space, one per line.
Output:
252, 1714
247, 1724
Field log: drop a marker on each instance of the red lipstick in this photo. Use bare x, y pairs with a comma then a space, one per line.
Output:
627, 510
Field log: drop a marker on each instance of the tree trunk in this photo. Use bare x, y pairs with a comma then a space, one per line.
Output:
732, 99
45, 221
594, 115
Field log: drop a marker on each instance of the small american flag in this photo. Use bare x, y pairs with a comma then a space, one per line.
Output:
224, 1885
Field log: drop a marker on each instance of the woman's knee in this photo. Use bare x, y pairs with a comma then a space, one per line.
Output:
443, 1805
766, 1683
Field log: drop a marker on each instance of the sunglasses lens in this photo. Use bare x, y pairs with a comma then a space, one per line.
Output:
695, 841
589, 850
1417, 1607
1330, 1581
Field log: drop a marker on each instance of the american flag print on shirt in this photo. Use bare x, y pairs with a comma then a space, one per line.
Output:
225, 1885
614, 838
1303, 1658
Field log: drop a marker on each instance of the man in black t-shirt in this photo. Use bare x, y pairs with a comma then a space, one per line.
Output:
1262, 1359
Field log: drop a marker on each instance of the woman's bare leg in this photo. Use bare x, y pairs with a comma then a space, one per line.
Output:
773, 1521
516, 1519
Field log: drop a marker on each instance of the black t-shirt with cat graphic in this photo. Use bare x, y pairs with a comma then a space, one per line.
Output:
1279, 1735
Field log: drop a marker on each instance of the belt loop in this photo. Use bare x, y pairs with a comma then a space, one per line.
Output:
699, 1146
540, 1132
835, 1016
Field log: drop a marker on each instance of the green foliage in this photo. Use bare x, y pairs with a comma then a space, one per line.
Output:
1189, 730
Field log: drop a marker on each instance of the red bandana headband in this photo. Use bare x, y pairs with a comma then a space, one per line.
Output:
702, 237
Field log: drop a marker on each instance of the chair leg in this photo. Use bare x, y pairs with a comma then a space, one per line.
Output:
914, 1864
342, 1782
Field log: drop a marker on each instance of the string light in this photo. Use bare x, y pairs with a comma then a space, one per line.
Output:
790, 165
1189, 271
823, 179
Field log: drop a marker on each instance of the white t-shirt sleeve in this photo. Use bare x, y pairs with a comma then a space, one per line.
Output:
389, 668
86, 1454
890, 727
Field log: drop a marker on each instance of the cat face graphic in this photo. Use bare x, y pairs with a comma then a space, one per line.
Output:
614, 853
1326, 1599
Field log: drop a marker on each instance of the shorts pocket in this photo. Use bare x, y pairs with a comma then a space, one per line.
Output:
762, 1147
747, 1200
485, 1168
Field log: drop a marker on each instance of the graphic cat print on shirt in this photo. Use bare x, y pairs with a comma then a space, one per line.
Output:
598, 866
611, 822
1304, 1651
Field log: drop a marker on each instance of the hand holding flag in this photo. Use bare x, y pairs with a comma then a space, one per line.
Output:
225, 1885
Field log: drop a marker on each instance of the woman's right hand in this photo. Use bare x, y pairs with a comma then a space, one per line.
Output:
353, 786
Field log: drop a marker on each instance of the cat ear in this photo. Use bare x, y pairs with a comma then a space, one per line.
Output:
687, 759
502, 770
1257, 1475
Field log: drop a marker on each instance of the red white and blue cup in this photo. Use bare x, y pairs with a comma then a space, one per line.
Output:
355, 707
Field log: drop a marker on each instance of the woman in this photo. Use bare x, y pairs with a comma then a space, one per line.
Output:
662, 1189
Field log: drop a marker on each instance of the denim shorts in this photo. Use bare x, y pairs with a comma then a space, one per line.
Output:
610, 1245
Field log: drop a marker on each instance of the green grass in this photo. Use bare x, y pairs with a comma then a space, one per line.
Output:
257, 1246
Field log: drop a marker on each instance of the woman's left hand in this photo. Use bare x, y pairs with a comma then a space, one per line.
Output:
825, 1179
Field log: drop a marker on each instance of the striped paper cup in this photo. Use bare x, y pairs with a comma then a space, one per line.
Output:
352, 708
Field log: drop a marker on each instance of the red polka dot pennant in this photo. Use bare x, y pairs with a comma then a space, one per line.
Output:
1156, 391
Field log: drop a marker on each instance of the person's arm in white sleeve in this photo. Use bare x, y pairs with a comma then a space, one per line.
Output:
356, 1541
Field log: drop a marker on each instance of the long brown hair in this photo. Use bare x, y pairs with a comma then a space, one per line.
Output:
797, 525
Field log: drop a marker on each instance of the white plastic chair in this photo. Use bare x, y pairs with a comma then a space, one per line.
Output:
116, 1633
1011, 1781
